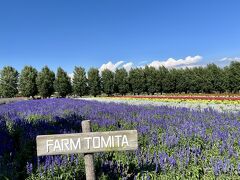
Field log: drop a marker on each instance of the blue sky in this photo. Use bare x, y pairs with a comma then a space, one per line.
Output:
91, 33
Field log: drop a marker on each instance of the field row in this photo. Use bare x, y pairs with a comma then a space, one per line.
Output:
174, 143
188, 97
187, 102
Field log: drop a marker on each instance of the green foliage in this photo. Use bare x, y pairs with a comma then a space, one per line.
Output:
198, 81
215, 77
27, 81
182, 82
233, 77
45, 82
121, 81
108, 81
137, 80
171, 81
8, 82
79, 81
151, 79
94, 82
62, 83
161, 79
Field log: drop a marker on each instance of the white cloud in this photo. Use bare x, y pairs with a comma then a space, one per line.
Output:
111, 66
118, 64
230, 59
171, 63
128, 66
71, 75
189, 61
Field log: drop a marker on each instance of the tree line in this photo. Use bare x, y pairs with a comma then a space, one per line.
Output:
29, 82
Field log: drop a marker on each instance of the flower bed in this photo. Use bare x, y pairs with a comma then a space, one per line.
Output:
223, 104
173, 142
234, 98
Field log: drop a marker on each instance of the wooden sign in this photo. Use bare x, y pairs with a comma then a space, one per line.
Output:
87, 142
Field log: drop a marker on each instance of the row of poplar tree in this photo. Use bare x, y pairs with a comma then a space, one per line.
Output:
209, 79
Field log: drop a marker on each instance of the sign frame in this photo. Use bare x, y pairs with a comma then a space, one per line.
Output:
90, 142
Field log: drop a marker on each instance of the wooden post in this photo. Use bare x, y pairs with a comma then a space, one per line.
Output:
88, 157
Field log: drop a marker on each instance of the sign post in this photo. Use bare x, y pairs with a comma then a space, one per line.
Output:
88, 157
87, 143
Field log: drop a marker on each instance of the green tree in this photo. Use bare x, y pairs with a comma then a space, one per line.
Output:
94, 82
186, 80
108, 82
8, 82
151, 79
233, 78
79, 81
27, 81
161, 79
214, 78
137, 80
62, 83
170, 83
45, 82
181, 81
225, 72
198, 83
121, 81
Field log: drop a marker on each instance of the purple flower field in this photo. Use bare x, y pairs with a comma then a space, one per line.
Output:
174, 143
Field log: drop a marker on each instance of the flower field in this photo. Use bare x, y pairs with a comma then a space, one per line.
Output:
220, 103
174, 142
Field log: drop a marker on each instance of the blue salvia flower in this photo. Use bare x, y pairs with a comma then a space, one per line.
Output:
154, 138
29, 168
216, 170
58, 160
155, 161
72, 158
224, 166
76, 160
138, 157
172, 161
64, 160
162, 160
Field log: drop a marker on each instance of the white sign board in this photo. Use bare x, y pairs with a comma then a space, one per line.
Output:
87, 142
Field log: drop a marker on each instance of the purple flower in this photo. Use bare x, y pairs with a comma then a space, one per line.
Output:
172, 161
29, 168
154, 138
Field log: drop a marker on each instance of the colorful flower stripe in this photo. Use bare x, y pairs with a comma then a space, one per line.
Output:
221, 98
175, 100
